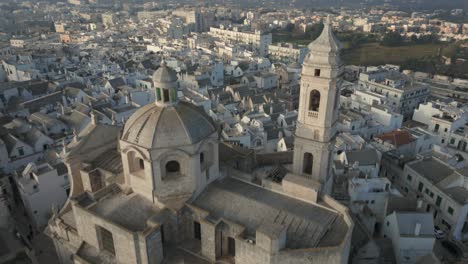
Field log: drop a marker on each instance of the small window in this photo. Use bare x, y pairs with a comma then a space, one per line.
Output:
196, 230
409, 177
438, 200
317, 73
20, 151
166, 95
202, 158
450, 210
420, 186
107, 240
172, 166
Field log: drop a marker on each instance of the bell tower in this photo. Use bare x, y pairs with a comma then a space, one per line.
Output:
318, 110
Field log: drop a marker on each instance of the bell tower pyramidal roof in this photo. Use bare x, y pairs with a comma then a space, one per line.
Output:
324, 52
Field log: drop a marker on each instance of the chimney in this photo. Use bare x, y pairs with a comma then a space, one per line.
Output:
46, 130
62, 109
94, 119
417, 229
65, 148
76, 138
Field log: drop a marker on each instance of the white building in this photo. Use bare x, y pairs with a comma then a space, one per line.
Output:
41, 188
412, 235
401, 93
258, 41
443, 190
370, 192
287, 52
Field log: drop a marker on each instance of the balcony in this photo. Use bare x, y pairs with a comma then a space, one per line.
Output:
313, 114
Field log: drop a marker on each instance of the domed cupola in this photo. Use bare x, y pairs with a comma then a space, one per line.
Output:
165, 83
169, 148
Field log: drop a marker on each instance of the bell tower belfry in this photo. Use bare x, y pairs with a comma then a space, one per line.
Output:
318, 109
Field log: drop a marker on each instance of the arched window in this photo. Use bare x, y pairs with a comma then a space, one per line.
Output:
308, 163
165, 95
314, 100
136, 164
172, 167
258, 143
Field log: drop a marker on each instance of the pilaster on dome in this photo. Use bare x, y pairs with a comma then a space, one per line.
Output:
327, 41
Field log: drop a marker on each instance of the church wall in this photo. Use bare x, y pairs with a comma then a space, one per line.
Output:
208, 243
248, 253
152, 248
321, 155
74, 167
175, 185
312, 256
64, 252
124, 242
141, 182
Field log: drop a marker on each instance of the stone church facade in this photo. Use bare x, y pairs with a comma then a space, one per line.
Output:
156, 192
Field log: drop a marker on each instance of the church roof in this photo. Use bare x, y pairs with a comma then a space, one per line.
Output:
164, 74
326, 42
257, 208
153, 126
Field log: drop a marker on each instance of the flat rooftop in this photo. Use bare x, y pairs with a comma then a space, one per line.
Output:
121, 208
458, 193
431, 169
256, 208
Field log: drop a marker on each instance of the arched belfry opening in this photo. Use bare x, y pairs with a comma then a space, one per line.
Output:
314, 100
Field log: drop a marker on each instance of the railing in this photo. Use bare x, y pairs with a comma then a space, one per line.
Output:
313, 114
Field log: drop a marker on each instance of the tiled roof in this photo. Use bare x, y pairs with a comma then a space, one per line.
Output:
397, 137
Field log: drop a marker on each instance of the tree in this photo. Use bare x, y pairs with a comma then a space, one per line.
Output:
289, 27
392, 39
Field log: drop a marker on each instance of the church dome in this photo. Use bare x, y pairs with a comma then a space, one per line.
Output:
154, 126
